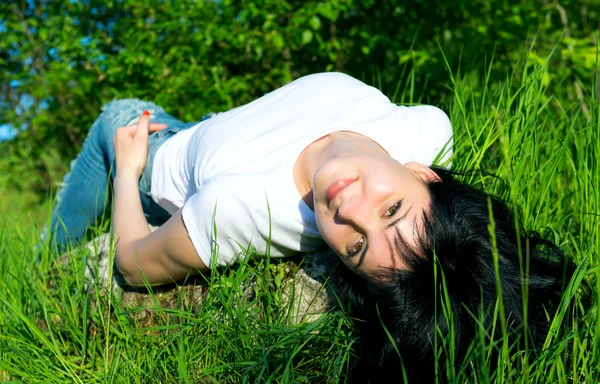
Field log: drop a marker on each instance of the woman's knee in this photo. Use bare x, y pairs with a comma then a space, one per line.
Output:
120, 113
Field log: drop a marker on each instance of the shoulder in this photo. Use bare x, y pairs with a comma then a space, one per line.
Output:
440, 124
438, 117
332, 81
432, 119
331, 77
430, 133
433, 115
442, 134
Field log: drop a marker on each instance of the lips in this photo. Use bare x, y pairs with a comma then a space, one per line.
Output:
336, 187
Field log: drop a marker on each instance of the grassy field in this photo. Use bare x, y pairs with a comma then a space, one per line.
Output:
56, 328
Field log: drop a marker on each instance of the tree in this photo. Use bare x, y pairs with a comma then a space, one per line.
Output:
60, 61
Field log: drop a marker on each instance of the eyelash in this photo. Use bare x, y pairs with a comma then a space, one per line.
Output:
394, 208
358, 246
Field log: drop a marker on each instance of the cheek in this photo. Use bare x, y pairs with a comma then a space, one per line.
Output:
330, 233
384, 181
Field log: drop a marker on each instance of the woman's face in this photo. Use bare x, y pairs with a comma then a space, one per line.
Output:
362, 203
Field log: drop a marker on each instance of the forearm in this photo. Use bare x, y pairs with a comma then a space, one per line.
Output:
142, 257
129, 224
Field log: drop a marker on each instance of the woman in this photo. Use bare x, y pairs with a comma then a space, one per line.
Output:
328, 159
277, 176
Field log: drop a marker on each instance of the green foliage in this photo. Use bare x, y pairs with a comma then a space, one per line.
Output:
55, 328
68, 58
538, 128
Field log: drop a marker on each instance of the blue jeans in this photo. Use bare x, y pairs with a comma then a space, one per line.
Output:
84, 194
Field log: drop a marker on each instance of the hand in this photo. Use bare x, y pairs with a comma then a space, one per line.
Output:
131, 145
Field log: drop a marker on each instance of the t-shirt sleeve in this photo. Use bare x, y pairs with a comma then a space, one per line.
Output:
219, 225
441, 129
427, 135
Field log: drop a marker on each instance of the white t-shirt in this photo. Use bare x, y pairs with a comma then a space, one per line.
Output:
233, 173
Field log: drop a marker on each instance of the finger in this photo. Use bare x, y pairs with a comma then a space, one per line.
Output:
155, 127
128, 130
143, 126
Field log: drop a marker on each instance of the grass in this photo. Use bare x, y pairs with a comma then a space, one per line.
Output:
58, 329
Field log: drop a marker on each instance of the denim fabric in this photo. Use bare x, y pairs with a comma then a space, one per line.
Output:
84, 194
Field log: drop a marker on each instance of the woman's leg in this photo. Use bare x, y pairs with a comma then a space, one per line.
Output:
84, 194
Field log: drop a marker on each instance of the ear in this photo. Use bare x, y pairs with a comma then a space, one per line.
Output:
424, 172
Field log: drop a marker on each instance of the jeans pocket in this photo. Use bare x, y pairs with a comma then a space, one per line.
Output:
167, 132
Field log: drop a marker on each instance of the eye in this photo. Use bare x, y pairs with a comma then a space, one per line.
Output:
392, 210
357, 247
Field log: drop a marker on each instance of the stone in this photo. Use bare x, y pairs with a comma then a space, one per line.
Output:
304, 283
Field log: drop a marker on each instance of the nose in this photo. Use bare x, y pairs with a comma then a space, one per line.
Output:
354, 212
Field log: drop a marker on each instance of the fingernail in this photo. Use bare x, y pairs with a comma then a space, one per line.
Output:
146, 113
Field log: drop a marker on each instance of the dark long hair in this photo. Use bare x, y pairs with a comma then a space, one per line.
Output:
401, 318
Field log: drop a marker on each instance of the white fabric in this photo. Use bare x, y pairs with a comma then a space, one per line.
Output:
233, 173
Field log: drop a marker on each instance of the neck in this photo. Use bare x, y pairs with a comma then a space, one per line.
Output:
336, 144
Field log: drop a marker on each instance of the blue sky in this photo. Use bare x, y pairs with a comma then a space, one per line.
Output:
6, 132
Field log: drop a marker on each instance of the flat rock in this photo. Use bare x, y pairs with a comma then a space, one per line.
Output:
304, 285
